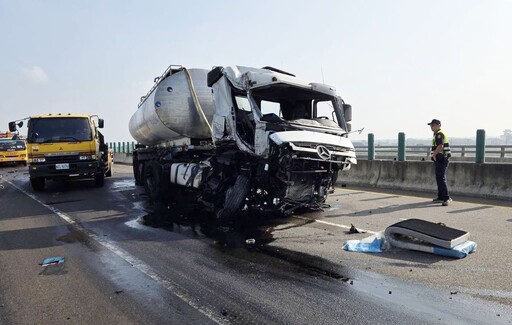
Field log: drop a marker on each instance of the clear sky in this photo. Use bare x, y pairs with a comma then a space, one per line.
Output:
398, 63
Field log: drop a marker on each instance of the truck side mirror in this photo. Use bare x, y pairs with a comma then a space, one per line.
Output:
12, 125
347, 112
101, 123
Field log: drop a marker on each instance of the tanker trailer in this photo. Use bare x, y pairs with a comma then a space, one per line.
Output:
237, 139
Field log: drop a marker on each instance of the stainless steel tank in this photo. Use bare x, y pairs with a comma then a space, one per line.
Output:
170, 113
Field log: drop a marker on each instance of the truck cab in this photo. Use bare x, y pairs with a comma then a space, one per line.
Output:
63, 146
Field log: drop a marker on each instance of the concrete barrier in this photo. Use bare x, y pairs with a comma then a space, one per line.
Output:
489, 180
123, 158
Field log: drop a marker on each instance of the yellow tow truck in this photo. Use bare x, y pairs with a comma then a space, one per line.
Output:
62, 146
13, 151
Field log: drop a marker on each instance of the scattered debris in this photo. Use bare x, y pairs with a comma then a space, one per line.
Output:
118, 291
251, 241
354, 230
454, 292
53, 266
371, 244
52, 261
416, 234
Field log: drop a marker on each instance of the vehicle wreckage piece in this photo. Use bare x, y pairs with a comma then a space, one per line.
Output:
418, 235
429, 237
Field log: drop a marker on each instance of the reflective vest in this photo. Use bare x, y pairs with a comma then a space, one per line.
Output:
446, 145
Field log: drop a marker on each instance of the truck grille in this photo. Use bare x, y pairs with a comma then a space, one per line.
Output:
314, 145
62, 159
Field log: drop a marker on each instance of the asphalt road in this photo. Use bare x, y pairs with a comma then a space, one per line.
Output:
119, 271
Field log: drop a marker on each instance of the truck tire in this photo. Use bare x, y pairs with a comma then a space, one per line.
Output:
152, 180
37, 183
137, 170
99, 179
235, 197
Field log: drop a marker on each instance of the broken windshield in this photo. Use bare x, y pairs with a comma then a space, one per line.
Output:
59, 129
299, 105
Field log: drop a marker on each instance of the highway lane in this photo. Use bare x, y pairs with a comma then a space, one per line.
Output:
119, 271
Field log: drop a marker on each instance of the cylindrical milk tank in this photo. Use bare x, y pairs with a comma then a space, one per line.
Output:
170, 113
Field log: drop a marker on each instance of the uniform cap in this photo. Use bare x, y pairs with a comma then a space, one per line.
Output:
434, 121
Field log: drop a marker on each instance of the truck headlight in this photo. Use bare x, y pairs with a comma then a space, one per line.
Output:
86, 157
37, 160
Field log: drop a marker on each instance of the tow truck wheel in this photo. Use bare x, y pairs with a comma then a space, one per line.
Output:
37, 183
99, 179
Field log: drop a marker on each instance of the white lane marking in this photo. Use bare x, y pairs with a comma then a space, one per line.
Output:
334, 224
133, 261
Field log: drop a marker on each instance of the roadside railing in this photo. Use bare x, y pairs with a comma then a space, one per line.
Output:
121, 147
459, 152
476, 153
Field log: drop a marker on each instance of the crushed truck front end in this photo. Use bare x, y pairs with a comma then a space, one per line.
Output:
295, 132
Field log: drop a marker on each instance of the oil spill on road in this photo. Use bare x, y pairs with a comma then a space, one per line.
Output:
78, 236
123, 185
244, 231
73, 236
62, 202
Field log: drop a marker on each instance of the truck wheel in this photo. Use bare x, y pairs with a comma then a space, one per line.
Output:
99, 179
235, 197
37, 183
137, 170
152, 180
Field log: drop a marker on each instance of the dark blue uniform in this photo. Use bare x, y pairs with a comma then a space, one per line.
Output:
441, 164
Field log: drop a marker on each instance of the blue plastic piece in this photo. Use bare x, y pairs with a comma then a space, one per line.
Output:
52, 261
459, 251
372, 244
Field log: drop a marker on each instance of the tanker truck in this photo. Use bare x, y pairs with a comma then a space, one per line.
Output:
237, 139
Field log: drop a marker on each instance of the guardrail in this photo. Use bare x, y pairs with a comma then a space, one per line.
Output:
476, 153
460, 152
121, 147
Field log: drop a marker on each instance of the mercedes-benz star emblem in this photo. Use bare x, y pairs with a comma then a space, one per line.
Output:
323, 152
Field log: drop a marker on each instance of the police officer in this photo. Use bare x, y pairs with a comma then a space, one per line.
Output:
440, 155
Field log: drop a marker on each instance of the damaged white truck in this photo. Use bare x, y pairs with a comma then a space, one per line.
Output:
236, 139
